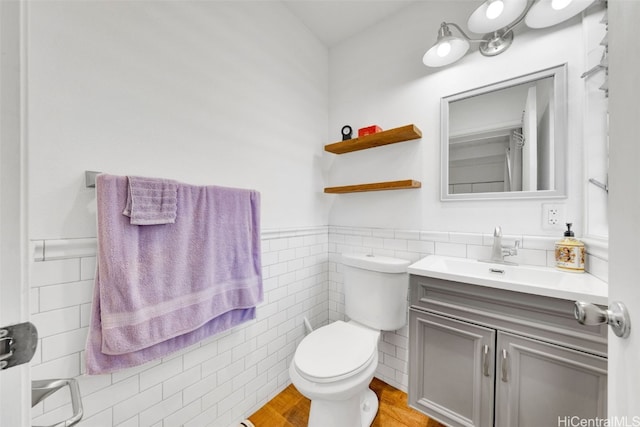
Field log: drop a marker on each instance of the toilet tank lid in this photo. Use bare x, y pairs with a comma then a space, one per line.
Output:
383, 264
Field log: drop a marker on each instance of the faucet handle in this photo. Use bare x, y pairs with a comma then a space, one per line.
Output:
497, 232
511, 251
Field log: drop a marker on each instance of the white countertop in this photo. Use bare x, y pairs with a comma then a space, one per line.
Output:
543, 281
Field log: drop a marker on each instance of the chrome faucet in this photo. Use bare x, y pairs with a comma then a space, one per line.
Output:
498, 252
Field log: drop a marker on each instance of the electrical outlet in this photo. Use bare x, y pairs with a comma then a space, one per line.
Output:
552, 216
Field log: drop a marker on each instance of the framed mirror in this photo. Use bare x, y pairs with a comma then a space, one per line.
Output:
506, 140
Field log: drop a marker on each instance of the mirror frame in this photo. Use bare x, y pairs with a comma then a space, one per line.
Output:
559, 74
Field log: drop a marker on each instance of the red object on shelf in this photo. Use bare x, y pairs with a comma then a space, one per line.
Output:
368, 130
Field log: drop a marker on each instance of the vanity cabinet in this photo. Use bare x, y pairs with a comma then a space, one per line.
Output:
451, 369
485, 357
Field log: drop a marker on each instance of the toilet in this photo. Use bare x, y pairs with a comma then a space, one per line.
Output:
334, 364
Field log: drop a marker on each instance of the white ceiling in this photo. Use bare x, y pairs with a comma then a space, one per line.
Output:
333, 21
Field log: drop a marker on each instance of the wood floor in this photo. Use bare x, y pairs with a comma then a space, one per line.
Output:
291, 409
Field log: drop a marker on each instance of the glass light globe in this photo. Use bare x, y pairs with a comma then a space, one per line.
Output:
546, 13
493, 15
560, 4
444, 49
495, 8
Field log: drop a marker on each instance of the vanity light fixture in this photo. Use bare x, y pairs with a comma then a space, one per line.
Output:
496, 20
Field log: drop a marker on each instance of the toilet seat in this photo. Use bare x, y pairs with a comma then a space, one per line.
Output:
336, 351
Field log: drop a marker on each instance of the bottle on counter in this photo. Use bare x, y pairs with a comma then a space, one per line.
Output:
570, 252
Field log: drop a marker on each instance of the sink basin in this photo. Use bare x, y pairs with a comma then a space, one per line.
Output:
528, 279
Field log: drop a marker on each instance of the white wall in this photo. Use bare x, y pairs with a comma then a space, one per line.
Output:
226, 93
377, 77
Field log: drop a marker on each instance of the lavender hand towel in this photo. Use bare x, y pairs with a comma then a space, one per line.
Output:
151, 201
159, 289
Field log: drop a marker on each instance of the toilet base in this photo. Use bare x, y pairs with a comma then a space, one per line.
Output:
359, 411
368, 407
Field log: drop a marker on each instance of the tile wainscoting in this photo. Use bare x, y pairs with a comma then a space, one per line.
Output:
414, 245
217, 382
223, 379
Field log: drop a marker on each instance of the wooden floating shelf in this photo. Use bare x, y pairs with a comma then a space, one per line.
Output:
376, 186
391, 136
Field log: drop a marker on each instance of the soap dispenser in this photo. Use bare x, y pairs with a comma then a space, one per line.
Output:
570, 252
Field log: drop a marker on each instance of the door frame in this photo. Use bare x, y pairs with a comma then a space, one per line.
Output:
624, 205
15, 394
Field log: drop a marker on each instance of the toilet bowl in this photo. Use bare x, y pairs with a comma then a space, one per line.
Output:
334, 365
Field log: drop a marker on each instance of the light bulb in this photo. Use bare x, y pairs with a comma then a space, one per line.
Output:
495, 8
560, 4
443, 49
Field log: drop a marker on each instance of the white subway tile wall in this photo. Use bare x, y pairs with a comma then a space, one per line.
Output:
414, 245
222, 380
217, 382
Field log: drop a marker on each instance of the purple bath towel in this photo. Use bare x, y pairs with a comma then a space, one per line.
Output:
160, 288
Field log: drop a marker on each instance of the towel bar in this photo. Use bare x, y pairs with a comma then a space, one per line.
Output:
90, 178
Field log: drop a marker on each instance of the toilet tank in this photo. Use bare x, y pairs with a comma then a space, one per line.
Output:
375, 290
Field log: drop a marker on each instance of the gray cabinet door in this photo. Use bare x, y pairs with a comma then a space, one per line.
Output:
451, 369
541, 384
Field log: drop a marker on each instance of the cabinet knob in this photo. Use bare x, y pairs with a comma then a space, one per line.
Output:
616, 316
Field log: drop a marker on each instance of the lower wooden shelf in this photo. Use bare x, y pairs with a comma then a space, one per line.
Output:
376, 186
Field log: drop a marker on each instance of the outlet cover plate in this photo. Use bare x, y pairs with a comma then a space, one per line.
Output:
553, 217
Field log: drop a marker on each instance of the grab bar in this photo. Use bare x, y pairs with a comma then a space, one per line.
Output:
41, 389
